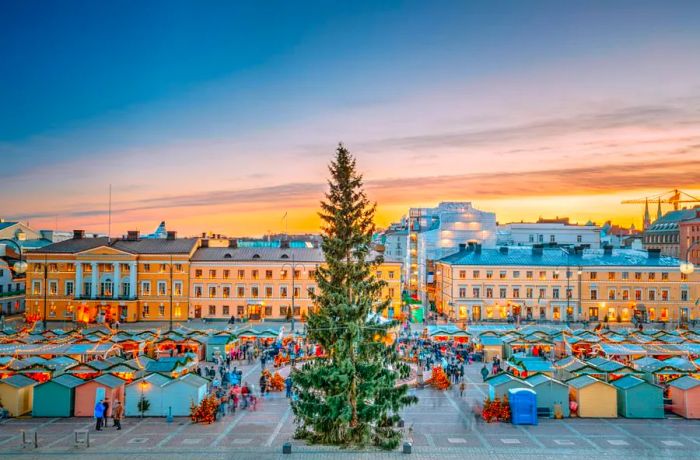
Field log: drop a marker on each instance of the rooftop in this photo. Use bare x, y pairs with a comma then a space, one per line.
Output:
141, 246
258, 254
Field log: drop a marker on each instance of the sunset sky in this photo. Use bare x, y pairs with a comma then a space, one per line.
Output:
222, 116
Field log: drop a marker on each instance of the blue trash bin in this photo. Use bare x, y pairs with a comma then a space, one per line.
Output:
523, 406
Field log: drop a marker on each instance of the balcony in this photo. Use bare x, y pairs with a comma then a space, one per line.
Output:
12, 293
104, 297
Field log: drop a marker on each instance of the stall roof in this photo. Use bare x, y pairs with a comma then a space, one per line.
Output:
193, 379
109, 380
501, 378
67, 380
538, 379
570, 364
19, 381
627, 382
490, 341
685, 382
582, 381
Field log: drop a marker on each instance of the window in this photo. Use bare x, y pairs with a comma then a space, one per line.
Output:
528, 274
163, 268
476, 274
69, 285
579, 238
462, 274
569, 293
475, 292
637, 294
684, 295
516, 274
52, 310
53, 287
297, 274
652, 294
145, 288
555, 275
161, 310
625, 275
268, 274
489, 293
227, 273
638, 275
489, 274
528, 293
503, 293
226, 292
594, 275
297, 291
462, 292
198, 273
312, 291
664, 295
147, 267
552, 239
625, 294
224, 310
312, 275
212, 291
531, 238
145, 311
540, 238
268, 291
664, 276
178, 268
379, 274
126, 289
542, 293
241, 310
254, 292
502, 274
268, 310
87, 289
162, 289
611, 294
611, 276
391, 292
212, 273
684, 277
283, 274
36, 287
212, 310
391, 274
543, 275
516, 293
241, 274
283, 292
254, 274
555, 293
240, 291
198, 291
652, 276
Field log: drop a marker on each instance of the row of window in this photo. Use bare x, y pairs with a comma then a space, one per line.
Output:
668, 238
269, 274
10, 287
552, 238
106, 288
109, 267
226, 310
213, 291
542, 293
542, 275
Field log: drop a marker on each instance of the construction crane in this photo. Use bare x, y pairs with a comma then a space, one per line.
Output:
674, 197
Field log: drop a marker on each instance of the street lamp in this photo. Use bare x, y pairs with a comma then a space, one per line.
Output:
293, 267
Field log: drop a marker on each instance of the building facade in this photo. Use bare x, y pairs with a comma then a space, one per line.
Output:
434, 233
98, 279
560, 233
266, 282
664, 233
12, 290
689, 231
558, 285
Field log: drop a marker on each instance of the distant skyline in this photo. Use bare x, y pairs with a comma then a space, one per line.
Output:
222, 116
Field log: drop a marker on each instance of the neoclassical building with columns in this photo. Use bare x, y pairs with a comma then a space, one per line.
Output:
129, 279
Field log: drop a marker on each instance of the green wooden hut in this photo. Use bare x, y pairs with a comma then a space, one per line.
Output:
637, 398
56, 398
499, 385
219, 344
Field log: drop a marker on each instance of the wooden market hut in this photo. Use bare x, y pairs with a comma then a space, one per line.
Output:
637, 398
56, 398
179, 393
684, 393
124, 371
106, 386
17, 394
490, 346
567, 368
172, 367
523, 367
152, 388
593, 397
220, 344
84, 371
550, 392
499, 384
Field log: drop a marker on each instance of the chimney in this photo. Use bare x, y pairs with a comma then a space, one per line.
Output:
284, 244
537, 249
578, 250
78, 234
205, 243
132, 235
171, 234
204, 234
654, 253
607, 250
232, 243
477, 248
463, 246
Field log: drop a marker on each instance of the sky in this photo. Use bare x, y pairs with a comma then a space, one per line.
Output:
222, 116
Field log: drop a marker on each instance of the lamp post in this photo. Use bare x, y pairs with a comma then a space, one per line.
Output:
19, 268
293, 267
171, 293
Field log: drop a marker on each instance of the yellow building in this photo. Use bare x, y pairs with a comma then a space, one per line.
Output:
532, 283
97, 279
263, 282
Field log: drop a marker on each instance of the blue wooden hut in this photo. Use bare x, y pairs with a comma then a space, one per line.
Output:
637, 398
56, 397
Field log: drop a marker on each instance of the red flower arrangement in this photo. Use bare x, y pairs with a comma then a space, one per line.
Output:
205, 412
438, 379
496, 410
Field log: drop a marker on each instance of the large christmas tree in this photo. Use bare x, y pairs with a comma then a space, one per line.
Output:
349, 396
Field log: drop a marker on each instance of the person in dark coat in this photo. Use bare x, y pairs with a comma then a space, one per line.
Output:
99, 414
105, 404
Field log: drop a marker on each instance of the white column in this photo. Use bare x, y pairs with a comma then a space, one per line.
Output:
95, 284
132, 280
117, 279
78, 280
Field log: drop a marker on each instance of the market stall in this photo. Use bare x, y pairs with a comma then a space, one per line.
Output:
637, 398
593, 398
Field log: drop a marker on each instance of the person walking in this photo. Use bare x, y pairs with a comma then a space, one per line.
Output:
105, 414
99, 414
118, 414
288, 386
461, 390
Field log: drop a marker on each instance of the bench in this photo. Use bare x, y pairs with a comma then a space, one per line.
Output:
82, 437
544, 412
30, 438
